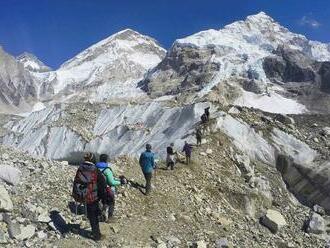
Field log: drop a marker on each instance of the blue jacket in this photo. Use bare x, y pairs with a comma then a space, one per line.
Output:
147, 161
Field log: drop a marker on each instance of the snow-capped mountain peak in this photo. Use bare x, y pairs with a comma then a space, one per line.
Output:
109, 68
124, 41
32, 63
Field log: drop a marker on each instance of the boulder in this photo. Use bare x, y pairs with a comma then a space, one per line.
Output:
200, 244
273, 220
10, 174
209, 151
14, 229
3, 239
316, 224
5, 201
318, 209
26, 232
325, 131
222, 243
44, 217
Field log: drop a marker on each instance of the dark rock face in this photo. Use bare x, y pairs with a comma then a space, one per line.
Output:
324, 73
184, 68
289, 66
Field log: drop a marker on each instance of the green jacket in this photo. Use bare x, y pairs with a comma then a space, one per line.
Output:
107, 172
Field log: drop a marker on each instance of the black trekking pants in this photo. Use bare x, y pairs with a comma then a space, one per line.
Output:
170, 164
93, 212
148, 177
111, 207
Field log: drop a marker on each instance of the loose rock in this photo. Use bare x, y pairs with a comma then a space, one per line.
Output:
273, 220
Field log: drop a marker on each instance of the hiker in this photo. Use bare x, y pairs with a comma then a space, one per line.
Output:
187, 149
112, 183
199, 136
204, 118
170, 159
207, 113
147, 163
89, 187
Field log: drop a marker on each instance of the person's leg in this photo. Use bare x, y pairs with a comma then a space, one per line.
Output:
111, 207
148, 176
172, 165
93, 216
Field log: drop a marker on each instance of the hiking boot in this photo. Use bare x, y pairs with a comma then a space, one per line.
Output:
99, 237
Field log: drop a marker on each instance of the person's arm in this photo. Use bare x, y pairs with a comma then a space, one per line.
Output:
153, 161
111, 181
140, 160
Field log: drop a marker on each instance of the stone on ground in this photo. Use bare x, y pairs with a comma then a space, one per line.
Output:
273, 220
316, 224
5, 201
9, 174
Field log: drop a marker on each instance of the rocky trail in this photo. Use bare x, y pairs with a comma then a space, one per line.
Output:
217, 201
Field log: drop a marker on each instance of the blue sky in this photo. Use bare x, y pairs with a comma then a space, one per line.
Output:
56, 30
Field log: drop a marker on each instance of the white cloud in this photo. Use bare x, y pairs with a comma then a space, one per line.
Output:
309, 21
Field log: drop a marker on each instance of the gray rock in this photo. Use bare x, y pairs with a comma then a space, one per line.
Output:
325, 131
273, 220
316, 224
42, 235
173, 241
5, 201
26, 232
10, 174
44, 217
200, 244
14, 229
222, 243
319, 210
3, 239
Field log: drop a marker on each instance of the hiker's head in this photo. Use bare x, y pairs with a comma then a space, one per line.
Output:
89, 157
172, 144
148, 147
104, 158
186, 142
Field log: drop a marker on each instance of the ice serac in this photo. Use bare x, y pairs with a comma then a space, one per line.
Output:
18, 89
32, 63
305, 175
233, 55
119, 130
109, 69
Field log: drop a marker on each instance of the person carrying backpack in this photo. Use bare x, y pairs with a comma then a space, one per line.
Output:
147, 163
187, 149
112, 182
89, 187
170, 159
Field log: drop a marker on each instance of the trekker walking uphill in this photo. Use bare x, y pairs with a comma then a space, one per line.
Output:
198, 136
170, 159
147, 163
88, 188
187, 149
112, 182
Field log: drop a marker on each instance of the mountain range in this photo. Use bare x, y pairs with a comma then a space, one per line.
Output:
264, 62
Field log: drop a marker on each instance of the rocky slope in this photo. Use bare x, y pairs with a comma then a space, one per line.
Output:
217, 201
234, 56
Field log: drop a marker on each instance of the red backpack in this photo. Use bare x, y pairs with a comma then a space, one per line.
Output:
85, 186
